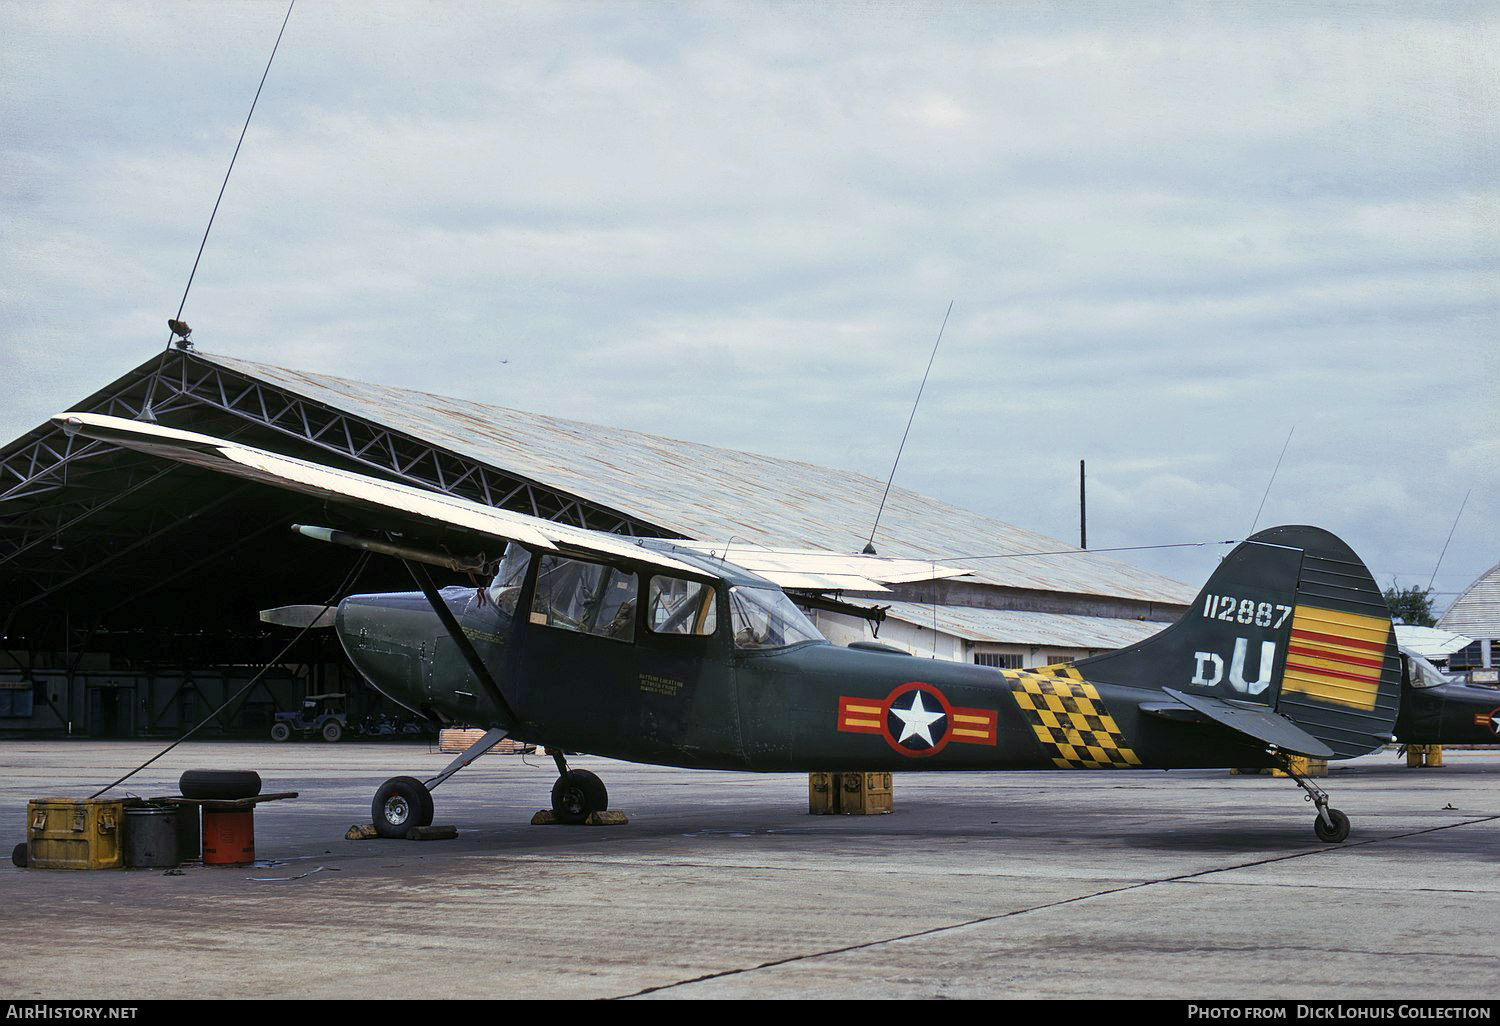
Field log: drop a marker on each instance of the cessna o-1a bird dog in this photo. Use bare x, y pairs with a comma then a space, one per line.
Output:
655, 651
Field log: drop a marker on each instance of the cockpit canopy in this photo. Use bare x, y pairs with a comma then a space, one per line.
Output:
597, 598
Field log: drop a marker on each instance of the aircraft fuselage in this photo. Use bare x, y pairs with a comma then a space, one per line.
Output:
699, 701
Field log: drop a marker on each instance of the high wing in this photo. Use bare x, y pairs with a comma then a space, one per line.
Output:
819, 570
413, 505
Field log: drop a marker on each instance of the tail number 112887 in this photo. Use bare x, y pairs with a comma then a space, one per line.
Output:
1244, 611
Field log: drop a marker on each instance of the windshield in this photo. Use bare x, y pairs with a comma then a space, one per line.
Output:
506, 586
766, 618
1423, 674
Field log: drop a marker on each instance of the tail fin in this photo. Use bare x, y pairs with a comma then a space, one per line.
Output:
1292, 622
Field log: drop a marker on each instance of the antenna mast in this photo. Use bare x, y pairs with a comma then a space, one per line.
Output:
1269, 483
233, 157
1461, 506
869, 549
1083, 510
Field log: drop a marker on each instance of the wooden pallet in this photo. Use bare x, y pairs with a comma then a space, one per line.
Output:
458, 739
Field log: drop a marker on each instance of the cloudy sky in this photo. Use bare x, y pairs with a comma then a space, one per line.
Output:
1172, 235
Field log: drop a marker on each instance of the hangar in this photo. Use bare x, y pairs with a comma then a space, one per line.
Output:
1476, 613
133, 589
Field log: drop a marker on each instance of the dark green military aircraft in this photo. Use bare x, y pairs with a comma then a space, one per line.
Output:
655, 651
1439, 709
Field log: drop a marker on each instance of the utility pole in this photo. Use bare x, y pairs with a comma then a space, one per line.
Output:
1083, 510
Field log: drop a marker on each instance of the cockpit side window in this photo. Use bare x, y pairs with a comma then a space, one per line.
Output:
766, 618
590, 598
675, 605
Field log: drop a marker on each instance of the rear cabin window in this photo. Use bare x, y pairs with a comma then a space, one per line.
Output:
675, 605
590, 598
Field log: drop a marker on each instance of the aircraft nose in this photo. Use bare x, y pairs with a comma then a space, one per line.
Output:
389, 639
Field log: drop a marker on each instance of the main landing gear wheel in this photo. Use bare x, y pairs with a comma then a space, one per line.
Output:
401, 804
576, 794
1335, 834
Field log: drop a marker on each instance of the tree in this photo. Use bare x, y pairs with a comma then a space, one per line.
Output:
1411, 606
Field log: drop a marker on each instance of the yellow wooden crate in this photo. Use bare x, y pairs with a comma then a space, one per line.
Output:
865, 794
822, 794
1305, 765
1428, 756
74, 833
849, 794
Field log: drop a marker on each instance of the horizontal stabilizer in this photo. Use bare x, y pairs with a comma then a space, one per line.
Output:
1257, 721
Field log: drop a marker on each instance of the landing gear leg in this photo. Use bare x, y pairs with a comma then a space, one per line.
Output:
1331, 825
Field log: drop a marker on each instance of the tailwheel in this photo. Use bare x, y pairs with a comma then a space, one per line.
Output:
576, 794
1334, 831
1331, 826
401, 804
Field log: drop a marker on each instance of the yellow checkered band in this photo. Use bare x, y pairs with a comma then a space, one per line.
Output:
1069, 719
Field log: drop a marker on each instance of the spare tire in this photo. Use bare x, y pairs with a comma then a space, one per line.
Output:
219, 785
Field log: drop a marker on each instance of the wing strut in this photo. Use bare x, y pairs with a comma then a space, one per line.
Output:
508, 717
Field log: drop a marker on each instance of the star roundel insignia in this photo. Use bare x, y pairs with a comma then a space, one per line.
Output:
916, 720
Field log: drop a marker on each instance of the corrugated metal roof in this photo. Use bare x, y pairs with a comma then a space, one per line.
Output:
1015, 627
1477, 611
712, 494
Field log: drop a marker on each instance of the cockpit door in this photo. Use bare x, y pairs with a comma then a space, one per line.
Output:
688, 709
578, 675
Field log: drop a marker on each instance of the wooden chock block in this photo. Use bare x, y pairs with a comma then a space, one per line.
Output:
609, 817
432, 833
